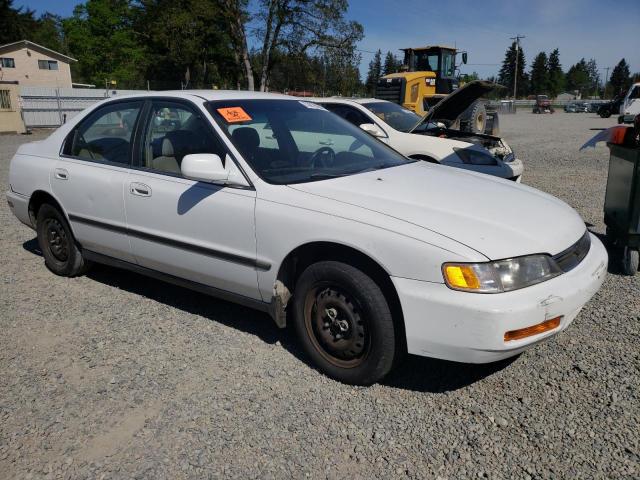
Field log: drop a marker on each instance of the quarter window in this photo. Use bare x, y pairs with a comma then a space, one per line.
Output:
106, 135
173, 131
7, 62
47, 65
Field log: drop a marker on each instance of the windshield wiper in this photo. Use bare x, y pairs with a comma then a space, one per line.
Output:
320, 176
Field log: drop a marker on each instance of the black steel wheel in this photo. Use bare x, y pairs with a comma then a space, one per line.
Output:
344, 323
61, 253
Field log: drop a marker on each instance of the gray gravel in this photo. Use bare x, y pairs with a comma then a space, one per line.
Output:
113, 375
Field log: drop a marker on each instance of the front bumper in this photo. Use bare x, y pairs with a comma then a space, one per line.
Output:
470, 327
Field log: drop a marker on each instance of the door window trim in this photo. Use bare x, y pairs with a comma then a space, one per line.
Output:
90, 115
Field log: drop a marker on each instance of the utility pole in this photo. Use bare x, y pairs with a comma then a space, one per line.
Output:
515, 74
606, 81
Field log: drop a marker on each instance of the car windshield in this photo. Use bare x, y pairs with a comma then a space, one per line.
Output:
396, 116
294, 141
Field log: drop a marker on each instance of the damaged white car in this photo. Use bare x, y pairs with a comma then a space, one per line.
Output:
432, 137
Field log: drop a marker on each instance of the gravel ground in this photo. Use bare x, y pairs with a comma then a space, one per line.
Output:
113, 375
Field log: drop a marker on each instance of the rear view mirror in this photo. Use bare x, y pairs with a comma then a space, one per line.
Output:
464, 57
372, 130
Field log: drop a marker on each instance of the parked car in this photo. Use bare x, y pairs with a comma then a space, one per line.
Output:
605, 110
430, 138
542, 105
280, 205
571, 108
630, 105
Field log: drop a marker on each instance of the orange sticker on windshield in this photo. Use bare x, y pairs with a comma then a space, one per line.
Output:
234, 114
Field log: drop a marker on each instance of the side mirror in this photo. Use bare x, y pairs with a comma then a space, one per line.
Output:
464, 57
372, 130
208, 167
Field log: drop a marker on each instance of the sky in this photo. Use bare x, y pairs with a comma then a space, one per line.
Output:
606, 31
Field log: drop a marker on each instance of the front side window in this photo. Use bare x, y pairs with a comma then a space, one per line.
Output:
173, 131
396, 116
424, 62
291, 141
47, 65
7, 62
105, 135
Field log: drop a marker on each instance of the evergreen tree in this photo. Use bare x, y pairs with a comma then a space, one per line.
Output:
620, 77
374, 73
391, 64
556, 76
508, 72
540, 74
594, 77
578, 78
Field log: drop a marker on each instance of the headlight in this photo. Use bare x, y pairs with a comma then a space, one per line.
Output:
474, 157
500, 276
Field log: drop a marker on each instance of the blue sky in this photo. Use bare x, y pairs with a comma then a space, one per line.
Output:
606, 31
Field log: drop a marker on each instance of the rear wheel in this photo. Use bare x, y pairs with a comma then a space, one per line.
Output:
344, 323
604, 113
59, 249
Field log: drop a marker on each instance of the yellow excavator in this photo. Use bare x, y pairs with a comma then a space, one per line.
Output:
429, 74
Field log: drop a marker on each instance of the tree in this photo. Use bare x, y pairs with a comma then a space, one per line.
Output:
19, 24
594, 77
391, 64
374, 73
539, 75
100, 34
556, 83
508, 71
578, 78
183, 36
295, 26
620, 77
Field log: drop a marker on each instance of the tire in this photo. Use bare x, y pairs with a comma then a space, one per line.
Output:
492, 126
59, 248
629, 261
474, 118
353, 340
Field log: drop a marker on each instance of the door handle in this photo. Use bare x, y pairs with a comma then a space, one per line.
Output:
61, 174
140, 189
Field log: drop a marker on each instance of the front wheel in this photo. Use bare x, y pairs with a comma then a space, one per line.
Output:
59, 249
630, 261
344, 323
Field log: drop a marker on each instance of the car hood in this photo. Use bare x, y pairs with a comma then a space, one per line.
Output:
498, 218
451, 107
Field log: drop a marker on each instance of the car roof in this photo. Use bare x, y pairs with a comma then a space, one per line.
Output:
346, 100
211, 95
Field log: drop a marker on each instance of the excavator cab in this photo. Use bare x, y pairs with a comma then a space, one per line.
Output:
438, 59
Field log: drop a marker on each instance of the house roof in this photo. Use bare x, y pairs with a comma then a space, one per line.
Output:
10, 47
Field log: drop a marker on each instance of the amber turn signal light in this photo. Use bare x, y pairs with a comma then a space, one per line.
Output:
532, 330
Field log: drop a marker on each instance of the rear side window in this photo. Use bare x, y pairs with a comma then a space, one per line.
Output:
350, 114
105, 135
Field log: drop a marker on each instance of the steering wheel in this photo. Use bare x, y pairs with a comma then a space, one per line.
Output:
324, 155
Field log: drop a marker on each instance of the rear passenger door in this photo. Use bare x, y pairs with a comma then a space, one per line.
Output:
198, 231
90, 176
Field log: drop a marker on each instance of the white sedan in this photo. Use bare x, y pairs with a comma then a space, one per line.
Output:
432, 137
278, 204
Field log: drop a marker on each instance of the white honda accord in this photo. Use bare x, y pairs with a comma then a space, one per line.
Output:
281, 205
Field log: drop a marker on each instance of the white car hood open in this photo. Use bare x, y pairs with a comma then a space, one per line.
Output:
495, 217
